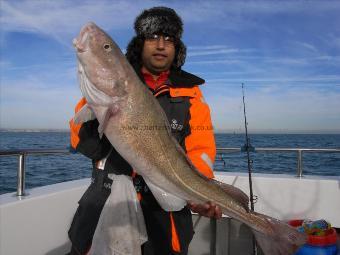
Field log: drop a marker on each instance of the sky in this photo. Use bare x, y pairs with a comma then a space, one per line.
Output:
287, 54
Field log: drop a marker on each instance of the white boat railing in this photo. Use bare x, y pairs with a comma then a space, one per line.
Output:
299, 152
22, 154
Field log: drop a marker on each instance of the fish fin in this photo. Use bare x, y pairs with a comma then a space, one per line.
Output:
182, 151
179, 147
230, 190
284, 239
103, 114
84, 114
166, 200
234, 192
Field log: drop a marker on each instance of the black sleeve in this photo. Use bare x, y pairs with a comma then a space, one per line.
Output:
90, 144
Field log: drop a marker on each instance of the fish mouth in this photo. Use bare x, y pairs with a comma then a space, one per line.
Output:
81, 43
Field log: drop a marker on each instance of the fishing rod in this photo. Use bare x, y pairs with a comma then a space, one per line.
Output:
247, 148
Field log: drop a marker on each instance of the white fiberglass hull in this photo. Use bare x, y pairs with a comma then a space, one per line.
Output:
38, 223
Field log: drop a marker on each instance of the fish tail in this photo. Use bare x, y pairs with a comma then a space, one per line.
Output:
280, 238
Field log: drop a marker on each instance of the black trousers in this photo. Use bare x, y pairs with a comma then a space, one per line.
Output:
90, 206
157, 220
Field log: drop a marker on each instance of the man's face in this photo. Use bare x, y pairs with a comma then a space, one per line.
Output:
158, 53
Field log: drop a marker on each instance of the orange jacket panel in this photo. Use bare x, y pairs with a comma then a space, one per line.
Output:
74, 128
176, 246
200, 143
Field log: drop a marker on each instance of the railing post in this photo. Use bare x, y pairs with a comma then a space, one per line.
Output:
21, 175
299, 163
213, 236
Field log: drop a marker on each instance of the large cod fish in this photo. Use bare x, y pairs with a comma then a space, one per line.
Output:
135, 124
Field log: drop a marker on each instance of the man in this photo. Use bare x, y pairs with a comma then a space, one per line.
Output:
157, 55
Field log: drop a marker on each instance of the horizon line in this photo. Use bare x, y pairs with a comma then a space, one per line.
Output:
216, 131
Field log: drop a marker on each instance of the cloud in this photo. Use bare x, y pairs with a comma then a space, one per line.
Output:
219, 54
63, 17
279, 61
33, 104
295, 109
307, 46
4, 64
211, 52
214, 62
329, 79
337, 42
243, 14
271, 67
60, 19
276, 7
206, 47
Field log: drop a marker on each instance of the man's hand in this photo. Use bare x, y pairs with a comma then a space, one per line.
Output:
208, 209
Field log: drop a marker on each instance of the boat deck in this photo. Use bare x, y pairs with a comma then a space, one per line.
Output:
39, 221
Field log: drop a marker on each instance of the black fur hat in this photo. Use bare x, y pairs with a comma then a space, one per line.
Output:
162, 20
159, 20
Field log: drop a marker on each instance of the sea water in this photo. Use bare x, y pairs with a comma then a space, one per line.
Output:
49, 169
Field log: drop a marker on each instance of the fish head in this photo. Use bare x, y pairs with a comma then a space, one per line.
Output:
100, 65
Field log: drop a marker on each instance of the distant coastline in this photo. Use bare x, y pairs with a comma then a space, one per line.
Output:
33, 130
217, 131
280, 131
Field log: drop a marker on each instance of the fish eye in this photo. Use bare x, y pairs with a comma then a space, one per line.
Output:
107, 47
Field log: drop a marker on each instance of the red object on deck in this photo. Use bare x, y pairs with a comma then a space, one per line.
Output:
329, 239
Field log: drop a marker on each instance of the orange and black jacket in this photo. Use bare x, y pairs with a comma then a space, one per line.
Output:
188, 114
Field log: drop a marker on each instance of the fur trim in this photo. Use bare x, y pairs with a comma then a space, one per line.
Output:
181, 53
159, 20
134, 51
